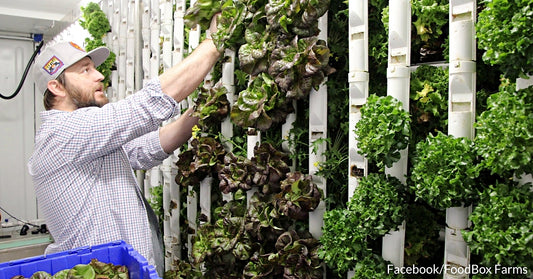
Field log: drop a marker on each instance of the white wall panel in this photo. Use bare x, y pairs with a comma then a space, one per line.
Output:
17, 130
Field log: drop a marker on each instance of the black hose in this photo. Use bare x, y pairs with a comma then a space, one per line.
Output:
25, 73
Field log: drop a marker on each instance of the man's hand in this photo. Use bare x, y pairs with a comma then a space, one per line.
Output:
213, 27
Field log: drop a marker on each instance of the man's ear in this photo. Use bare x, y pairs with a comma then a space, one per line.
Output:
56, 88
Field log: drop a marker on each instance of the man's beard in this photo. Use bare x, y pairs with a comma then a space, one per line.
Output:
77, 97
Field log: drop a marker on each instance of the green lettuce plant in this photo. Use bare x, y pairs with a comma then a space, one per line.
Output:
377, 206
380, 204
235, 174
383, 130
504, 132
299, 65
96, 23
260, 105
445, 171
211, 106
232, 23
94, 269
254, 54
374, 266
343, 245
201, 13
505, 32
202, 159
502, 226
429, 101
298, 196
428, 31
299, 18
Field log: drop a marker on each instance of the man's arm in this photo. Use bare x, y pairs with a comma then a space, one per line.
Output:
173, 135
181, 80
151, 149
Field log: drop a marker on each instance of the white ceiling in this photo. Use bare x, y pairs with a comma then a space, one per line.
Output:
46, 17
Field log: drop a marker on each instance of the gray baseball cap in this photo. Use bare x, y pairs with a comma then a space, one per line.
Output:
53, 60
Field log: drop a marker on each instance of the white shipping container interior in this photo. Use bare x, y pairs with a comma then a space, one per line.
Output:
20, 22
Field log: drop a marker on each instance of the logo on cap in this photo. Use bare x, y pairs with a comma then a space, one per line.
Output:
76, 46
53, 65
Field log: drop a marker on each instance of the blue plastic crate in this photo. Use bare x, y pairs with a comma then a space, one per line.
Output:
117, 253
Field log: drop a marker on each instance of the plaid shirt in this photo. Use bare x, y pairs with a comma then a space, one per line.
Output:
82, 170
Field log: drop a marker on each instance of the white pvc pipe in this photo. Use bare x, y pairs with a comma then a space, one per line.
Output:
398, 79
393, 246
358, 89
154, 39
166, 33
252, 141
461, 116
318, 129
399, 32
228, 81
192, 211
179, 32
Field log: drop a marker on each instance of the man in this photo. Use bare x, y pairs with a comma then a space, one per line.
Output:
86, 147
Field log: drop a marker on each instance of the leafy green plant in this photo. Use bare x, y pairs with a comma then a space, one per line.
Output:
298, 196
211, 106
502, 226
300, 19
201, 13
233, 22
378, 41
378, 205
255, 52
254, 242
504, 132
422, 234
264, 222
445, 171
343, 245
334, 169
430, 20
374, 266
183, 270
266, 169
235, 174
94, 269
270, 167
260, 105
201, 160
505, 32
383, 130
299, 65
156, 202
280, 64
297, 254
96, 23
223, 246
288, 49
429, 101
429, 29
